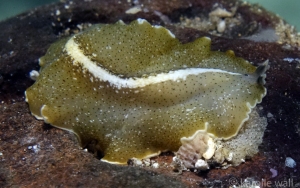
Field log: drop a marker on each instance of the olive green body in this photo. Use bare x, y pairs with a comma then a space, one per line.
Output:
145, 118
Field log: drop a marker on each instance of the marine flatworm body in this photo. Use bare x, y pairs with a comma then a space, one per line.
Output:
135, 90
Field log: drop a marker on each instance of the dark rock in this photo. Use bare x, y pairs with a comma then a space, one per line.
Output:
35, 154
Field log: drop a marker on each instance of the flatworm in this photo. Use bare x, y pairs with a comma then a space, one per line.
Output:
134, 90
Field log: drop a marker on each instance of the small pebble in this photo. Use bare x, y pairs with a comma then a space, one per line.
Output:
34, 74
269, 115
289, 162
138, 162
155, 165
274, 172
221, 26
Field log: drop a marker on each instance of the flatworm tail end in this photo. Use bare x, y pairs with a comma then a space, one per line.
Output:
260, 72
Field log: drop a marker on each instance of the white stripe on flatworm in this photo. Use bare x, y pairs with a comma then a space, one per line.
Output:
100, 73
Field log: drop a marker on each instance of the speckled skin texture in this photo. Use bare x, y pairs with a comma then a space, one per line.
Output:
60, 162
133, 122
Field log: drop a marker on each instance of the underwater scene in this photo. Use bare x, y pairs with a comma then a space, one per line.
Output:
137, 93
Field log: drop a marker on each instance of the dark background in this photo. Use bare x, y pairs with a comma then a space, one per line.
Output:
288, 9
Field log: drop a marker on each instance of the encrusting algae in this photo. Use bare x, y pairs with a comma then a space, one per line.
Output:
136, 90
